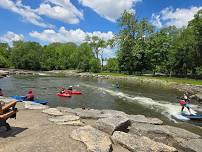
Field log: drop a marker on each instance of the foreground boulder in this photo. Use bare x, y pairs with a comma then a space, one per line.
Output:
92, 113
143, 119
109, 125
164, 130
53, 112
95, 140
190, 145
139, 144
67, 120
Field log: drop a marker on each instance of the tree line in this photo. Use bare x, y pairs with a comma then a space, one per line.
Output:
141, 49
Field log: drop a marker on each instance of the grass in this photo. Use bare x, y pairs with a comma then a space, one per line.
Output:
112, 74
168, 79
177, 80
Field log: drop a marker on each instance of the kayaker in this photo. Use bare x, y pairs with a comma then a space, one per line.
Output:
1, 92
184, 102
62, 90
117, 85
29, 96
70, 88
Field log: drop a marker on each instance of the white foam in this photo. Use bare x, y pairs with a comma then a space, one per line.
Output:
168, 109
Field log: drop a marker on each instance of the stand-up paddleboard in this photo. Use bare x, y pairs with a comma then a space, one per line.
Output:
63, 94
193, 117
22, 98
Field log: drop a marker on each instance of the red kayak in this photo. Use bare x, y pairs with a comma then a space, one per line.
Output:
72, 92
64, 94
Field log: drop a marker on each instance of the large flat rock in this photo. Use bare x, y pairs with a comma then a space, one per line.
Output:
139, 143
140, 128
111, 124
194, 145
94, 139
143, 119
67, 120
92, 113
53, 112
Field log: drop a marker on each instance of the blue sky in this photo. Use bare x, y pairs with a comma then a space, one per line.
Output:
47, 21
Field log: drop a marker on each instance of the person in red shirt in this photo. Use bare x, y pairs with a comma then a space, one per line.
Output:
1, 93
29, 96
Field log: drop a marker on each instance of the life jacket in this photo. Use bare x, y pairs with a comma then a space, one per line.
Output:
30, 96
182, 102
1, 93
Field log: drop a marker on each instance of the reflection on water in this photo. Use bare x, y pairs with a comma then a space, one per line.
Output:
99, 94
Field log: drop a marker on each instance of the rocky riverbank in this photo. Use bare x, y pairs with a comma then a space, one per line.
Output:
7, 72
40, 128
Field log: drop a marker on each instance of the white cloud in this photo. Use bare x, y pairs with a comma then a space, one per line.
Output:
9, 37
179, 17
25, 11
110, 9
62, 35
62, 10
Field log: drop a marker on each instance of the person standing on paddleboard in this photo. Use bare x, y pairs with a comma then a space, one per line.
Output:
184, 102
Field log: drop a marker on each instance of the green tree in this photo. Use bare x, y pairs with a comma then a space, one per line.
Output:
95, 65
4, 55
26, 55
112, 65
84, 56
132, 40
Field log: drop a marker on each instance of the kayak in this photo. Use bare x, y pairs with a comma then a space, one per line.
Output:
72, 92
193, 117
21, 98
64, 94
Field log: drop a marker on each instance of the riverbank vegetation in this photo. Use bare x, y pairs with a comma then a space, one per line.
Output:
140, 49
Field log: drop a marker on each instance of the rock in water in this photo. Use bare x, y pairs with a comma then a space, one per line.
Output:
94, 139
53, 112
109, 125
136, 143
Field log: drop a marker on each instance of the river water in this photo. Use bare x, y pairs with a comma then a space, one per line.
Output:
131, 98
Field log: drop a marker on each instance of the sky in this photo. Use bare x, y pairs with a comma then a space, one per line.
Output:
47, 21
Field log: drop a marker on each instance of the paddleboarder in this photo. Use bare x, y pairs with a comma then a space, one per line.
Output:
184, 102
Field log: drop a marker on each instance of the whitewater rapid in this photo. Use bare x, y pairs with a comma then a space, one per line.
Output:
166, 108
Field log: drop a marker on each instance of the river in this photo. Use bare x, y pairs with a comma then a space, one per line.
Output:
131, 98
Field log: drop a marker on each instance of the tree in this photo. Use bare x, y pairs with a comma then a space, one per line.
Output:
97, 44
4, 55
95, 65
112, 65
26, 55
84, 56
132, 40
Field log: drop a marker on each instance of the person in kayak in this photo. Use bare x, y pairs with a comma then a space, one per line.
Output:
117, 85
1, 92
184, 102
62, 91
70, 88
29, 96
